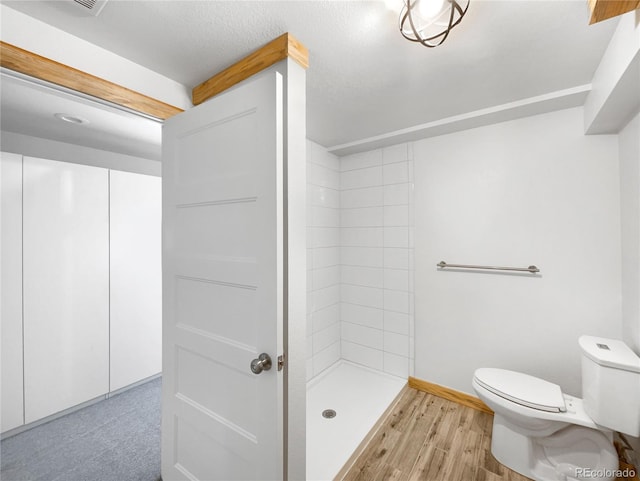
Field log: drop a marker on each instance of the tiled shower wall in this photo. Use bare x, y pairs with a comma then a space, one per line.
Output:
360, 259
323, 259
376, 257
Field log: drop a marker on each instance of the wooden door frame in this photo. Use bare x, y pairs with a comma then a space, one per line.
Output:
43, 68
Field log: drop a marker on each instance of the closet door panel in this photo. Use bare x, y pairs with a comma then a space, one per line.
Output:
136, 278
12, 412
66, 285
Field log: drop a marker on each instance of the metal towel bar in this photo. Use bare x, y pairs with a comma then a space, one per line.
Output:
532, 269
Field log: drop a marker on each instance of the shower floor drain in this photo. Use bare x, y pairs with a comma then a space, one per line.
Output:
328, 413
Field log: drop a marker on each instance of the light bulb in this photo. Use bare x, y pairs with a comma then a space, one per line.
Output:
430, 8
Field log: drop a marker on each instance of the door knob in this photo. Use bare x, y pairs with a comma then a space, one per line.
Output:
263, 363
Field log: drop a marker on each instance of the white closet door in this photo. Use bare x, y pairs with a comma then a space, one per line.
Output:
136, 277
12, 414
66, 285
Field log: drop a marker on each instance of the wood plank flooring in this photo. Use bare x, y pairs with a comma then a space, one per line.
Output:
425, 437
429, 438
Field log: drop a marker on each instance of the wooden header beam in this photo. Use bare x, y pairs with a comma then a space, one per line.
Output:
604, 9
279, 49
33, 65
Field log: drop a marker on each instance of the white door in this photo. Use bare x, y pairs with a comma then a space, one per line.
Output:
223, 287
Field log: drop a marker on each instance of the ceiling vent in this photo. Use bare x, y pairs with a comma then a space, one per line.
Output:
94, 7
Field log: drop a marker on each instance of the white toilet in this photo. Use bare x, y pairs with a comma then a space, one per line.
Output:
549, 436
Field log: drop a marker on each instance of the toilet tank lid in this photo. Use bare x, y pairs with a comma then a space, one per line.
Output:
522, 389
610, 353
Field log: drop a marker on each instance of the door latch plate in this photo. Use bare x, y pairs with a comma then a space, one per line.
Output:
280, 362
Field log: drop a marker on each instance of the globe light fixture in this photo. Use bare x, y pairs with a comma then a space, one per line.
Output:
429, 22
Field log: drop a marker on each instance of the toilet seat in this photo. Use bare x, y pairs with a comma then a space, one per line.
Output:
522, 389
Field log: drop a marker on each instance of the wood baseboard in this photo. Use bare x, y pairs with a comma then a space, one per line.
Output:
449, 394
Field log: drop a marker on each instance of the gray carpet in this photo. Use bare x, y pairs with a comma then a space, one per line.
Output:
114, 440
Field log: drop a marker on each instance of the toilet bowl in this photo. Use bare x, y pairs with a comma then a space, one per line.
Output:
542, 444
548, 435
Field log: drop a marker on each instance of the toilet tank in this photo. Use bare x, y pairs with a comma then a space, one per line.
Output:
611, 384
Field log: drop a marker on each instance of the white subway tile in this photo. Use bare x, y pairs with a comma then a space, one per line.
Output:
362, 335
313, 195
366, 356
319, 155
309, 280
395, 258
396, 237
323, 237
326, 358
325, 277
362, 236
323, 196
319, 175
396, 215
396, 344
361, 160
366, 316
397, 173
326, 257
361, 256
323, 318
355, 179
365, 197
396, 279
324, 217
396, 365
395, 153
326, 297
325, 337
396, 322
396, 194
412, 326
362, 217
364, 296
362, 276
397, 301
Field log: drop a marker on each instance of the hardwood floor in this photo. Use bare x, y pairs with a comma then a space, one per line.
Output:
429, 438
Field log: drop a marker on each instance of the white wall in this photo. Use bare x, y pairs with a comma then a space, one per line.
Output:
529, 191
629, 145
376, 258
64, 152
323, 259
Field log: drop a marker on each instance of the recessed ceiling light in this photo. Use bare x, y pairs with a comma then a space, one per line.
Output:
71, 119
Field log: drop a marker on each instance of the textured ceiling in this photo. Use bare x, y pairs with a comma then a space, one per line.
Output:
364, 78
